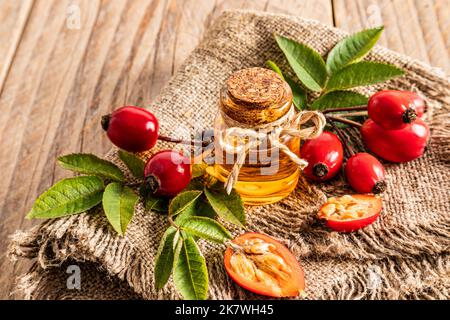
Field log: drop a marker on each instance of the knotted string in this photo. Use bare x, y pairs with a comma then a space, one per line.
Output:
250, 138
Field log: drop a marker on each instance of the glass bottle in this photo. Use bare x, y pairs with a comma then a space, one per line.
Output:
257, 99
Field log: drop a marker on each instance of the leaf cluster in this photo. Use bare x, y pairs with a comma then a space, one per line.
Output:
192, 213
331, 80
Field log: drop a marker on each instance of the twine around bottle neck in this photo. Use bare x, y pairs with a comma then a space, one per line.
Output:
250, 138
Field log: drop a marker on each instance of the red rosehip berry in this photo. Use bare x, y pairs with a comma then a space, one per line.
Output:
400, 145
131, 128
324, 155
365, 173
166, 173
393, 109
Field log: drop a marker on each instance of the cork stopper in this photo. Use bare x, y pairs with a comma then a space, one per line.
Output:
256, 96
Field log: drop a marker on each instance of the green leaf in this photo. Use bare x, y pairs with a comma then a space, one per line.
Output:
183, 202
201, 207
134, 164
91, 165
352, 49
206, 228
190, 274
228, 207
362, 74
199, 169
272, 65
298, 93
176, 239
339, 99
118, 203
195, 184
307, 63
164, 258
156, 204
68, 196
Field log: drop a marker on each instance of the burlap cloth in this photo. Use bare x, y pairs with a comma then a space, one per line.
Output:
404, 254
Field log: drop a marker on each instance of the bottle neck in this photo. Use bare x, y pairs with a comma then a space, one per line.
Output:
255, 96
242, 115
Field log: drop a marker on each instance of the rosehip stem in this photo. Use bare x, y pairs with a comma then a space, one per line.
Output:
172, 223
186, 142
341, 135
134, 185
358, 108
344, 120
352, 114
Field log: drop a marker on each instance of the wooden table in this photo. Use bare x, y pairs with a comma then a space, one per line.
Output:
66, 63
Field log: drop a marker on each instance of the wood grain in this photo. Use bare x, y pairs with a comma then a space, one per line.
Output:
418, 28
56, 80
14, 16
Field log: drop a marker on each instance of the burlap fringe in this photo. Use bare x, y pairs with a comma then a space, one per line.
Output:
392, 278
377, 244
52, 244
28, 285
427, 278
51, 284
411, 263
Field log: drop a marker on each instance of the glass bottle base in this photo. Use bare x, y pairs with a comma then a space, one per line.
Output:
261, 191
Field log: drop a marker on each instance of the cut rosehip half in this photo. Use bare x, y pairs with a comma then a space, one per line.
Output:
264, 266
350, 212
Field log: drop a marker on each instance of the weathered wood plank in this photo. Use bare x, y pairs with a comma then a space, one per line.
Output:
14, 16
416, 28
60, 79
63, 78
442, 9
107, 89
433, 32
191, 27
40, 75
321, 10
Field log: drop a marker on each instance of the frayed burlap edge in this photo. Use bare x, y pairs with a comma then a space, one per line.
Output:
52, 244
52, 284
425, 278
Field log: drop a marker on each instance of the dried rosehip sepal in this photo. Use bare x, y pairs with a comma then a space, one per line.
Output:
350, 212
264, 266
